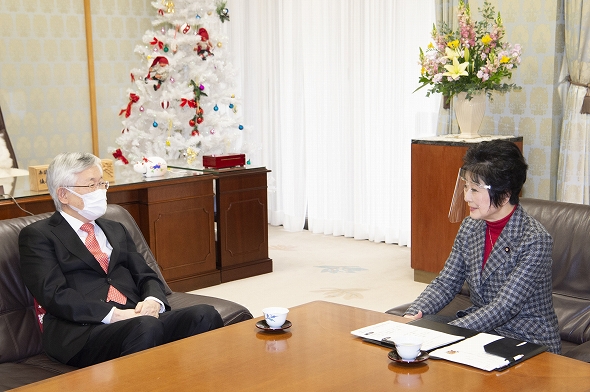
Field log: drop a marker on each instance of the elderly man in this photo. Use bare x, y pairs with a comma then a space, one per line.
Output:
102, 299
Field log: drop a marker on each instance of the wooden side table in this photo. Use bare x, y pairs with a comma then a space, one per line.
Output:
435, 164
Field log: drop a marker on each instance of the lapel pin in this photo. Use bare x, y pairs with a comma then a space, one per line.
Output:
507, 249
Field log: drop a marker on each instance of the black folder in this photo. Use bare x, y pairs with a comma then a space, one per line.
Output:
514, 350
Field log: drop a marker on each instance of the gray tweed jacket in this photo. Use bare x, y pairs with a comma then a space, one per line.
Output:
512, 295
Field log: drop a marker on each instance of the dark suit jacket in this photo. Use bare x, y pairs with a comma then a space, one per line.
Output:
65, 278
512, 296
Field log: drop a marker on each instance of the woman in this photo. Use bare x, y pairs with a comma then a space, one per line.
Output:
502, 253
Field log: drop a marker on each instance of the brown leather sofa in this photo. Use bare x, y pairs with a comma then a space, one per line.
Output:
569, 225
22, 360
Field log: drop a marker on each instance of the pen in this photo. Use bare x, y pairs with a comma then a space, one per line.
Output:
517, 357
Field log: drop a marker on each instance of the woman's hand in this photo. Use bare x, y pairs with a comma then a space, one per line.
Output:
414, 317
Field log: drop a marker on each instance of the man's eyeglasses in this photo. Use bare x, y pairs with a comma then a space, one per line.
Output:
99, 185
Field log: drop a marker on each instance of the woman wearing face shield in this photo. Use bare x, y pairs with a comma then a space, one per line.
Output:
502, 253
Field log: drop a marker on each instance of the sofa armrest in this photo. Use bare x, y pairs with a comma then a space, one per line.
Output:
398, 310
581, 353
230, 312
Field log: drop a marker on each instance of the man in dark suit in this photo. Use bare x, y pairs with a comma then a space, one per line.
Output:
102, 299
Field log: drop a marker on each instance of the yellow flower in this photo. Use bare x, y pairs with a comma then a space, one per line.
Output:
486, 39
430, 46
504, 60
453, 44
456, 70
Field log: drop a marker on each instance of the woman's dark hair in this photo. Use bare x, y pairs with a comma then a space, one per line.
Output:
500, 164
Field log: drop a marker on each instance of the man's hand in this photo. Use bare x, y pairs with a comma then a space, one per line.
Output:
123, 314
414, 317
148, 307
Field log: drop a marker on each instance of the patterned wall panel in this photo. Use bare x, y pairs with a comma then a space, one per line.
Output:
43, 78
118, 26
535, 111
44, 90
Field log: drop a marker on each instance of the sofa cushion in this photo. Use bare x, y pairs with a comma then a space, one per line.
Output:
33, 369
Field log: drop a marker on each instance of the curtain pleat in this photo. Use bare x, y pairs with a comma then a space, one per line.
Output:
328, 92
573, 172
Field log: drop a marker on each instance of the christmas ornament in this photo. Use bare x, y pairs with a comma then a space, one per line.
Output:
219, 44
119, 155
212, 132
204, 46
201, 87
166, 49
231, 105
191, 123
151, 167
155, 124
158, 71
133, 98
199, 120
165, 104
169, 6
185, 28
168, 143
171, 80
241, 127
191, 155
141, 109
215, 108
222, 11
233, 95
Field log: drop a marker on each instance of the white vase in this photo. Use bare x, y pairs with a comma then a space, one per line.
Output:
469, 113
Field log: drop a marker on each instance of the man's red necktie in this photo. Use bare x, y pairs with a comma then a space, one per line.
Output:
102, 258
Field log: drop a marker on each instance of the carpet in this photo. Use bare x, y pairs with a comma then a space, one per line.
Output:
310, 267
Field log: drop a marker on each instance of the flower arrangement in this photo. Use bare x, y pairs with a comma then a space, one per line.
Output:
472, 59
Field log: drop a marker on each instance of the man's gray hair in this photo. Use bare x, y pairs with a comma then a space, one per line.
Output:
64, 170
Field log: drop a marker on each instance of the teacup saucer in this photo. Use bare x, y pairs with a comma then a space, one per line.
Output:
262, 324
394, 356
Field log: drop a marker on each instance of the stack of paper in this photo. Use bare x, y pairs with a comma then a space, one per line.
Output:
388, 330
471, 352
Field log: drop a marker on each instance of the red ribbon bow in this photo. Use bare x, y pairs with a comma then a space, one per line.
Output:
132, 99
155, 41
191, 103
119, 155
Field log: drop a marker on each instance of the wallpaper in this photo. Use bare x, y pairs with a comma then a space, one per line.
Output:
44, 89
536, 111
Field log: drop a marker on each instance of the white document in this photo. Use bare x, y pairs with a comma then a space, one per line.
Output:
388, 330
471, 352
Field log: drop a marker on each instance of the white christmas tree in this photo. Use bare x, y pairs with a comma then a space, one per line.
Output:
182, 104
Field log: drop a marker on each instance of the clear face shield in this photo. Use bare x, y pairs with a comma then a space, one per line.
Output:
458, 210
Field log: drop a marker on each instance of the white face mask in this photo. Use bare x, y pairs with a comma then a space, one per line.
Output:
95, 204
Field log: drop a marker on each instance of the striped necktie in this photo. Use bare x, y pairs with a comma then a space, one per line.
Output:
102, 258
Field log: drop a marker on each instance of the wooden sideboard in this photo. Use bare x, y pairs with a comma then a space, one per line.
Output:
435, 164
204, 228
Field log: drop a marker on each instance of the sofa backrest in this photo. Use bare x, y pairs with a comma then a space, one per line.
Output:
19, 334
569, 225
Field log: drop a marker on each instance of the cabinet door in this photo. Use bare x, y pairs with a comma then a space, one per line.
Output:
242, 241
180, 220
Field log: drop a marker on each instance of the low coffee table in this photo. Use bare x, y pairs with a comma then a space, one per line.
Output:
317, 353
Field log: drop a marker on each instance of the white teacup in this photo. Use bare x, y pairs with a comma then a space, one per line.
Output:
408, 347
275, 316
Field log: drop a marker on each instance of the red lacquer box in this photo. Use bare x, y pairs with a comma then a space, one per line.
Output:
223, 161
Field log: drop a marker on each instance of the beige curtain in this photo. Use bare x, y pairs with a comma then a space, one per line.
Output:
446, 12
573, 172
